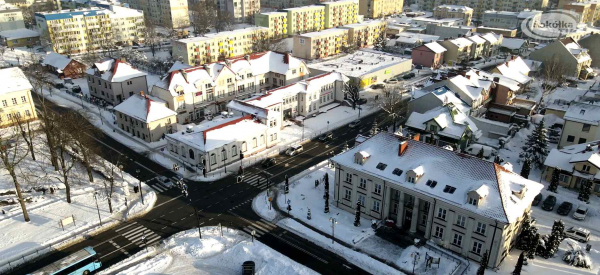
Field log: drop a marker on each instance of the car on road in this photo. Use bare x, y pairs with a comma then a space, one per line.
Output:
268, 162
474, 150
564, 208
408, 76
549, 203
294, 150
537, 199
578, 234
378, 86
580, 213
354, 124
327, 136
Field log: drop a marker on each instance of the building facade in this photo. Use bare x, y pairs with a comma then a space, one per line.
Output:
166, 13
380, 8
340, 13
576, 164
454, 11
480, 8
305, 19
15, 95
581, 124
567, 51
11, 17
145, 117
114, 80
430, 55
240, 10
591, 43
19, 38
457, 50
275, 21
364, 34
64, 67
127, 25
316, 45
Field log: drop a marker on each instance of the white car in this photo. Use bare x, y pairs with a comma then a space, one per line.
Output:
294, 150
578, 234
165, 181
474, 149
580, 213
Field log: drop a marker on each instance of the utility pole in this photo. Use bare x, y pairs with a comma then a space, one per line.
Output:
97, 208
137, 171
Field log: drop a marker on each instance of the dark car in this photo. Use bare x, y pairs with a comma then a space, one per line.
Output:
549, 203
378, 86
327, 136
564, 208
407, 76
268, 162
537, 199
354, 124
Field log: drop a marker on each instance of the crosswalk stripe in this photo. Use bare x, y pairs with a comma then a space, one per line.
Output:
162, 185
258, 228
268, 226
156, 188
151, 240
268, 223
133, 231
139, 234
257, 232
264, 185
125, 227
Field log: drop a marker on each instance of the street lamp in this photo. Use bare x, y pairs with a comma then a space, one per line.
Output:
416, 257
302, 129
224, 156
137, 172
359, 108
328, 126
97, 208
333, 223
185, 193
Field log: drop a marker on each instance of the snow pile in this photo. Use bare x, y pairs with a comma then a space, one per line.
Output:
260, 205
139, 208
577, 257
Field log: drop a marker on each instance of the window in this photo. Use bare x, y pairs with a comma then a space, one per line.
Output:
191, 153
585, 168
348, 194
254, 143
14, 101
397, 172
441, 213
234, 151
4, 103
411, 179
564, 178
213, 159
27, 113
431, 183
381, 166
377, 189
302, 41
473, 201
460, 220
476, 247
23, 99
262, 139
480, 227
363, 183
433, 128
582, 140
361, 199
586, 128
439, 232
570, 138
348, 177
223, 155
449, 189
376, 206
457, 240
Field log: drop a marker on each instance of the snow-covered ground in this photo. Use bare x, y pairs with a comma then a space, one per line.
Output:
184, 253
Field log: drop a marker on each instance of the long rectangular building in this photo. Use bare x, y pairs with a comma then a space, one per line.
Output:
321, 44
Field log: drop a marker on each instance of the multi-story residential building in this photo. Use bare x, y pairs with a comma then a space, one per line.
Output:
569, 53
591, 42
458, 50
218, 46
577, 164
36, 5
364, 34
429, 55
15, 95
479, 7
115, 80
340, 13
510, 20
284, 4
275, 21
166, 13
145, 117
11, 17
581, 124
465, 204
320, 44
584, 10
454, 11
492, 45
477, 47
240, 10
127, 24
203, 90
380, 8
305, 19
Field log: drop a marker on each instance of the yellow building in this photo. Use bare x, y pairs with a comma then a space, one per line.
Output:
216, 46
585, 11
364, 34
19, 38
15, 95
380, 8
316, 45
305, 19
454, 11
275, 21
340, 13
167, 13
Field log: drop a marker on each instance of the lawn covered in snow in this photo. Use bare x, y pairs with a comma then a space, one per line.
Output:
184, 253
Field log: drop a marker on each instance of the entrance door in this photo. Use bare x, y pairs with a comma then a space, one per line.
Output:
407, 218
394, 211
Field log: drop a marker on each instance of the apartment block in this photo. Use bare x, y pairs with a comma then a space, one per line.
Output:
340, 13
275, 21
240, 10
321, 44
379, 8
166, 13
15, 95
364, 34
454, 11
584, 10
11, 17
127, 24
284, 4
305, 19
479, 7
217, 46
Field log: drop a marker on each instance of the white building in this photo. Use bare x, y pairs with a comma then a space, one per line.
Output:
145, 117
115, 80
166, 13
240, 10
11, 17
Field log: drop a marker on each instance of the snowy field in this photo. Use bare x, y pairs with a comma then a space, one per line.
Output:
184, 253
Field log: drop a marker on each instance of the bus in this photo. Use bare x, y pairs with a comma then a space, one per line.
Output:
82, 262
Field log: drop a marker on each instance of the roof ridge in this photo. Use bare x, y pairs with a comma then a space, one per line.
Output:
498, 167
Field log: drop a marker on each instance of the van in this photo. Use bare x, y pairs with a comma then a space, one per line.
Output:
488, 151
294, 150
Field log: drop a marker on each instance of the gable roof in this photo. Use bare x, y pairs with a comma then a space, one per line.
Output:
435, 47
515, 69
144, 108
13, 80
583, 113
59, 62
513, 43
114, 70
452, 121
565, 157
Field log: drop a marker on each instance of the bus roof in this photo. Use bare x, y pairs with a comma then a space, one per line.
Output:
66, 262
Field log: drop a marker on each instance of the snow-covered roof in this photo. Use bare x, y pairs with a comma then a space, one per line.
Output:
513, 43
453, 123
210, 36
491, 37
360, 63
445, 95
114, 70
461, 42
18, 34
333, 31
583, 113
208, 138
13, 80
178, 66
470, 87
248, 108
144, 108
483, 191
566, 157
477, 39
528, 13
411, 38
454, 8
515, 69
264, 62
435, 47
448, 168
56, 60
591, 157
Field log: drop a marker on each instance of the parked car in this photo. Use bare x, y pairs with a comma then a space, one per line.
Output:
354, 124
580, 213
378, 86
537, 199
408, 76
474, 149
553, 139
564, 208
75, 89
578, 234
294, 150
549, 203
327, 136
268, 162
362, 101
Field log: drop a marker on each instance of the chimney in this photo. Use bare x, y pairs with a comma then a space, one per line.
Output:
402, 147
477, 72
122, 59
416, 137
506, 63
142, 93
496, 79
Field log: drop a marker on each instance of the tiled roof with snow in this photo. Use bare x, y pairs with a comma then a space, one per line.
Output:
13, 80
144, 109
178, 66
445, 95
435, 47
470, 87
56, 60
583, 113
513, 43
248, 108
566, 157
453, 123
264, 62
461, 42
477, 39
114, 70
515, 69
454, 8
465, 173
18, 34
491, 37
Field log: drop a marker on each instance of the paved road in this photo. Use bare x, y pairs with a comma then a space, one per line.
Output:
220, 202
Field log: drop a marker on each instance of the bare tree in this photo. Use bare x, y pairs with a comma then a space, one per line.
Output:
393, 104
82, 133
12, 153
28, 17
151, 35
223, 20
110, 170
202, 13
63, 142
27, 133
2, 51
352, 92
552, 76
260, 41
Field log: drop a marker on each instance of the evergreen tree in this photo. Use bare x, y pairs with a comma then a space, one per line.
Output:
536, 147
519, 265
286, 189
497, 160
380, 43
374, 130
327, 204
480, 154
556, 237
483, 264
526, 169
308, 215
553, 187
528, 238
357, 216
585, 191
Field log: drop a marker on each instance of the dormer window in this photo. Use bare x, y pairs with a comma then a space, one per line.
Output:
582, 112
361, 157
585, 168
397, 171
433, 128
411, 179
473, 201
